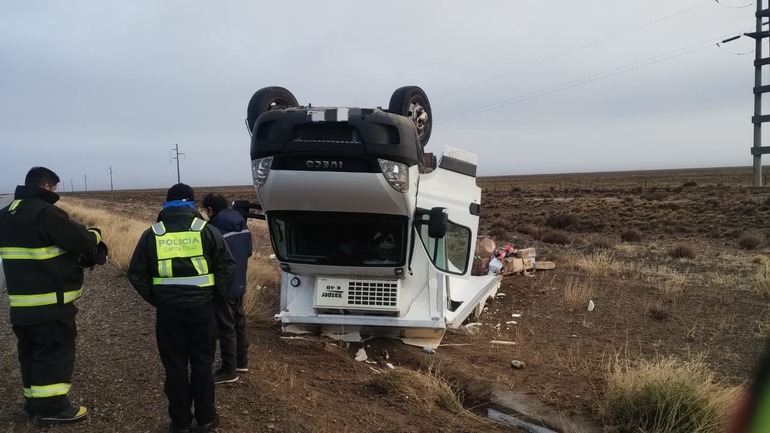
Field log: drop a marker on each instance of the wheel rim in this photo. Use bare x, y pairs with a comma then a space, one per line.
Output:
419, 116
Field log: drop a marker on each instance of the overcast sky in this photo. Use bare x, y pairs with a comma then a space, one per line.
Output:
529, 86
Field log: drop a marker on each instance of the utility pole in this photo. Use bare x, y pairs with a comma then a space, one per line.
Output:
111, 177
85, 181
176, 156
757, 150
72, 186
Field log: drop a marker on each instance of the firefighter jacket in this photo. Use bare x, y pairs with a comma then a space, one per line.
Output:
238, 237
180, 261
40, 246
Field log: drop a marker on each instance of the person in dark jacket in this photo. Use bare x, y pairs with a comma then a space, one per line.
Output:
40, 246
180, 266
231, 321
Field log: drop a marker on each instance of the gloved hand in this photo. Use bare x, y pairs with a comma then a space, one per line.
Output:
96, 257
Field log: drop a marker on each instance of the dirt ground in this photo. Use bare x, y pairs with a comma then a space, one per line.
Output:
312, 384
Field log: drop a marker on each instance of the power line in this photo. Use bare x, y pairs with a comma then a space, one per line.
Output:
734, 7
497, 77
176, 156
578, 82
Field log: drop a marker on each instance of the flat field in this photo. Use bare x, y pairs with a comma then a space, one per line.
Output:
669, 259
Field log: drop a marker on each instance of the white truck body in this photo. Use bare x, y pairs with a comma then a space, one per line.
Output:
356, 253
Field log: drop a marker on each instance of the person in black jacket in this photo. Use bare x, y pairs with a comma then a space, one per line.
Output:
180, 266
231, 321
40, 247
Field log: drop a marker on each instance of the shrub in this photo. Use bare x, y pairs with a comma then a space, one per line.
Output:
557, 237
529, 229
690, 183
751, 240
631, 235
561, 220
682, 250
601, 243
666, 396
427, 390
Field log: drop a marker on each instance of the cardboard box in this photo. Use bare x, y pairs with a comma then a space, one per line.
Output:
526, 253
480, 266
513, 265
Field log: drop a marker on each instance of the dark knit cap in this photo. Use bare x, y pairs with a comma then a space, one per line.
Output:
180, 191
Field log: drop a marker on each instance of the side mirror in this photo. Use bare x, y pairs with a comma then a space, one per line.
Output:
437, 222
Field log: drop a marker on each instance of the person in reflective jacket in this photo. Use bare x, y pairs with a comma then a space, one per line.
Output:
231, 321
180, 266
40, 247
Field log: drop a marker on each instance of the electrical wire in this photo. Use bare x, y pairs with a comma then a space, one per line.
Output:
580, 81
497, 77
735, 7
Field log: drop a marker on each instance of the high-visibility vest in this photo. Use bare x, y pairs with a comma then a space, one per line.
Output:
41, 253
181, 251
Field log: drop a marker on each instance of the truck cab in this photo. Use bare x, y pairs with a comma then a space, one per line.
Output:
374, 236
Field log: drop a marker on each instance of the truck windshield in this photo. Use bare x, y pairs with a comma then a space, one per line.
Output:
338, 238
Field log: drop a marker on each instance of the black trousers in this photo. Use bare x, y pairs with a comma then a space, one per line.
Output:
47, 359
187, 337
231, 332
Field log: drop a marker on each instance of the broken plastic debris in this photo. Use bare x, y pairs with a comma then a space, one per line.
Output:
517, 364
272, 256
500, 295
504, 343
390, 366
511, 322
515, 315
429, 350
591, 305
361, 355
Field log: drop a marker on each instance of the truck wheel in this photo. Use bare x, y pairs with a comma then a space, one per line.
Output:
412, 102
266, 99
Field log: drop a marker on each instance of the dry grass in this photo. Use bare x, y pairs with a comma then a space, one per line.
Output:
118, 232
594, 265
666, 395
577, 293
428, 390
122, 233
762, 278
673, 286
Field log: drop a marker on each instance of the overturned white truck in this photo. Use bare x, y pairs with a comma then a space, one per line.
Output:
373, 237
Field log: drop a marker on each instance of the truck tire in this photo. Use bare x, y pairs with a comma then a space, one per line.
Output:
266, 99
412, 102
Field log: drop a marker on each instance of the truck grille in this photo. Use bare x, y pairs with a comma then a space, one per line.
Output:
373, 293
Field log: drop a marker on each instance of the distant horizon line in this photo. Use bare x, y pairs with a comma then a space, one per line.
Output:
572, 173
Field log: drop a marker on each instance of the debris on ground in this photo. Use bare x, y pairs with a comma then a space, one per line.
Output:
507, 260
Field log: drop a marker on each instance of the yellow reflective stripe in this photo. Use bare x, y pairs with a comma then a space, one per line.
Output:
42, 299
19, 253
98, 235
43, 391
200, 281
201, 265
158, 228
197, 224
14, 205
165, 269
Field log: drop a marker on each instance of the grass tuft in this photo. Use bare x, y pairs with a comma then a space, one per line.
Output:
682, 250
426, 389
594, 265
762, 278
665, 396
631, 235
751, 240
